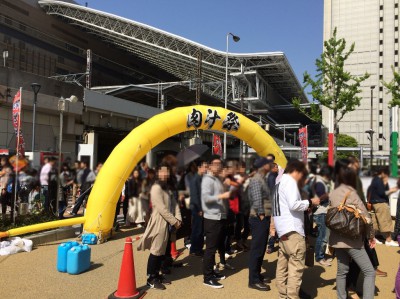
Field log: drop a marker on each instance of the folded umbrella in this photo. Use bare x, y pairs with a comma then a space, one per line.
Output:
190, 154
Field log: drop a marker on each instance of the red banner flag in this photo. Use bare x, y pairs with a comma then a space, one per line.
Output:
303, 138
16, 119
217, 147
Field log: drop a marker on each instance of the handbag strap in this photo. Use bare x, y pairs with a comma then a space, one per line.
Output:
355, 211
345, 198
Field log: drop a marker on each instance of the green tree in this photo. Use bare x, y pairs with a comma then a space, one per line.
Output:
334, 87
344, 140
393, 88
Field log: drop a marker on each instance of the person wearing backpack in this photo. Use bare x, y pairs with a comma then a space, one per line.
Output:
322, 187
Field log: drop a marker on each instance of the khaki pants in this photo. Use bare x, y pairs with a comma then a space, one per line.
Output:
383, 217
75, 188
290, 267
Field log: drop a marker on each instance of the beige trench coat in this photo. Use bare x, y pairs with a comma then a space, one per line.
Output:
155, 237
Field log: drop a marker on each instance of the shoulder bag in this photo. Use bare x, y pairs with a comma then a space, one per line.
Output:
346, 220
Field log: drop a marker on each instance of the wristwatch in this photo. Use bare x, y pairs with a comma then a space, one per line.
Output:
309, 203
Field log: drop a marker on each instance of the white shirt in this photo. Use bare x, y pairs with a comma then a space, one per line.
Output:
44, 174
288, 207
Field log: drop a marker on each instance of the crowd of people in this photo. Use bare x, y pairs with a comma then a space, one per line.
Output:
228, 204
216, 205
40, 189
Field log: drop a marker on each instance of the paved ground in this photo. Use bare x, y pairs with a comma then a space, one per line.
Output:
34, 275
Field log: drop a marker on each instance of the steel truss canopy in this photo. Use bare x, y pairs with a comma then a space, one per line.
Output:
251, 74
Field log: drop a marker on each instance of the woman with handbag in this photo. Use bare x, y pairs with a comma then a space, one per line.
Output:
165, 217
346, 247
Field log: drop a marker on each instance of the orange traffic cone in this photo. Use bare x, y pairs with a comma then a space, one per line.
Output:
174, 253
127, 280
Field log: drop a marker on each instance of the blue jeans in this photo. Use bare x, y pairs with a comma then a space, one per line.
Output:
259, 237
323, 235
197, 236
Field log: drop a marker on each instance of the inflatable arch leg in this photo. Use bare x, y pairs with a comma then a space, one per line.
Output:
125, 156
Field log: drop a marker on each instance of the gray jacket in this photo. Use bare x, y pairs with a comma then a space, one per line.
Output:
213, 208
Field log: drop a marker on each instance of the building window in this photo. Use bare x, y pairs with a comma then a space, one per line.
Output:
381, 19
380, 77
380, 88
22, 45
381, 7
381, 42
21, 58
396, 64
396, 52
381, 65
380, 53
396, 5
381, 30
396, 28
396, 17
381, 148
380, 135
396, 40
380, 100
381, 123
380, 112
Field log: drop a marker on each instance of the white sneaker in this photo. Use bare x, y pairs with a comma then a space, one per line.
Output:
378, 242
392, 243
228, 256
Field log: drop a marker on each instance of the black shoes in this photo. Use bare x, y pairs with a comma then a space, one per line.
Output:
155, 283
164, 280
265, 279
213, 283
304, 295
218, 276
260, 286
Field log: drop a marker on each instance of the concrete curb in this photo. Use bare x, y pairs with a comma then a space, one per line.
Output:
54, 235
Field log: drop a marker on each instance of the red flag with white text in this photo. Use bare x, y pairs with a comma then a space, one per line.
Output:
217, 147
303, 138
16, 120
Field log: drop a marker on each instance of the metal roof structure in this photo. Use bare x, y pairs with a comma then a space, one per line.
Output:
251, 74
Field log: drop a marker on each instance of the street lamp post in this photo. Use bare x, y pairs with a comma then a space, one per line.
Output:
35, 88
61, 109
371, 131
235, 39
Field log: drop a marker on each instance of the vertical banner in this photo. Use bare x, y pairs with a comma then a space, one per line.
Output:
16, 119
303, 139
331, 140
217, 148
394, 141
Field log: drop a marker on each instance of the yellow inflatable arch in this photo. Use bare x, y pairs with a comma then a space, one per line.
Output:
100, 210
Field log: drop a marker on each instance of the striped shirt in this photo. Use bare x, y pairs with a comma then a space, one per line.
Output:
288, 207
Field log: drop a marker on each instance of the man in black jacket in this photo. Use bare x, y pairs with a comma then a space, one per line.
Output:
197, 237
379, 197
